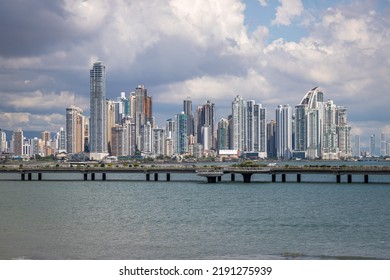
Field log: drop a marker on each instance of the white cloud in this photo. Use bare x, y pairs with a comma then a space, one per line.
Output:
263, 2
287, 11
34, 122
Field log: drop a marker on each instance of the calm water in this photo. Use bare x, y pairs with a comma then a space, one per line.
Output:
193, 220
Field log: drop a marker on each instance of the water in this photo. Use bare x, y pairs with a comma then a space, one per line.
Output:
190, 219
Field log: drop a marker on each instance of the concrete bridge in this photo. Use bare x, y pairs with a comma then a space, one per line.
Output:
213, 174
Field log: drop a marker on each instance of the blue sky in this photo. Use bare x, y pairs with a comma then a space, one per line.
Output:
269, 51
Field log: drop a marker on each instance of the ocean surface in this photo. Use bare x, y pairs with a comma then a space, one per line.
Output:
190, 219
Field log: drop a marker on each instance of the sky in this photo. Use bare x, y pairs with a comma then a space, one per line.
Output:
271, 51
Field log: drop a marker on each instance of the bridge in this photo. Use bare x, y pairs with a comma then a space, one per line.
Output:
212, 173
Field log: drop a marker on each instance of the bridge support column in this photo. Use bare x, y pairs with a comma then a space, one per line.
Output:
39, 176
85, 176
247, 177
104, 176
366, 178
211, 179
338, 178
232, 177
219, 178
168, 177
147, 176
283, 178
29, 175
349, 178
156, 177
22, 176
93, 176
298, 178
273, 178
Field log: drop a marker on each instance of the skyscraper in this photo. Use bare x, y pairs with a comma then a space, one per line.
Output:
383, 144
3, 141
187, 108
372, 145
17, 142
356, 150
330, 137
205, 125
74, 130
98, 124
223, 134
238, 121
181, 144
284, 131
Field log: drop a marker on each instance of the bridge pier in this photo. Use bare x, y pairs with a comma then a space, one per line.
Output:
349, 178
156, 177
168, 177
39, 176
219, 178
232, 177
366, 178
211, 179
247, 177
298, 178
273, 178
85, 176
104, 176
93, 176
148, 177
338, 178
283, 178
22, 176
29, 175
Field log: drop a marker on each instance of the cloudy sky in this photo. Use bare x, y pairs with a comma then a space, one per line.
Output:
272, 51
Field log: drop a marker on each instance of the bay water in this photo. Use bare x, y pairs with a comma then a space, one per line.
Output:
190, 219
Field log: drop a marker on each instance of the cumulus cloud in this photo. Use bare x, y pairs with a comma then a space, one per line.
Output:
263, 2
29, 121
287, 11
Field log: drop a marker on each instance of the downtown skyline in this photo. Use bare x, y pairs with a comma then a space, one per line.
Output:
261, 50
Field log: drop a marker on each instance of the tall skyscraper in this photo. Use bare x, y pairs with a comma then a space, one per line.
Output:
17, 142
74, 130
356, 150
383, 144
271, 139
372, 145
223, 134
284, 131
260, 130
181, 144
205, 125
187, 108
330, 137
62, 140
3, 141
98, 122
238, 121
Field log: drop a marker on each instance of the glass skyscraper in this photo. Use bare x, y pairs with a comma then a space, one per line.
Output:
98, 114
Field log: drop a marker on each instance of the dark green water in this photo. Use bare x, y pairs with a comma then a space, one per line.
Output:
193, 220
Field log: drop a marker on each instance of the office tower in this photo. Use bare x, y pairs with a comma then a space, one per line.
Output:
61, 140
17, 142
330, 137
260, 130
74, 130
205, 123
271, 139
356, 150
147, 139
110, 122
158, 142
238, 122
343, 131
181, 146
284, 131
142, 114
187, 107
300, 128
119, 144
372, 145
223, 135
3, 141
383, 144
45, 136
249, 126
98, 112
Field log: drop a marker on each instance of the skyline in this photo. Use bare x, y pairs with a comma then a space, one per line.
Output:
208, 51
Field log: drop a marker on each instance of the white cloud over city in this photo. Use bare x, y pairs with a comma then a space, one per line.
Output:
202, 49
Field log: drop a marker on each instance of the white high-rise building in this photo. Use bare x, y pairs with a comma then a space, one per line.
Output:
238, 122
260, 130
284, 131
98, 124
383, 144
158, 142
330, 138
356, 150
3, 141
